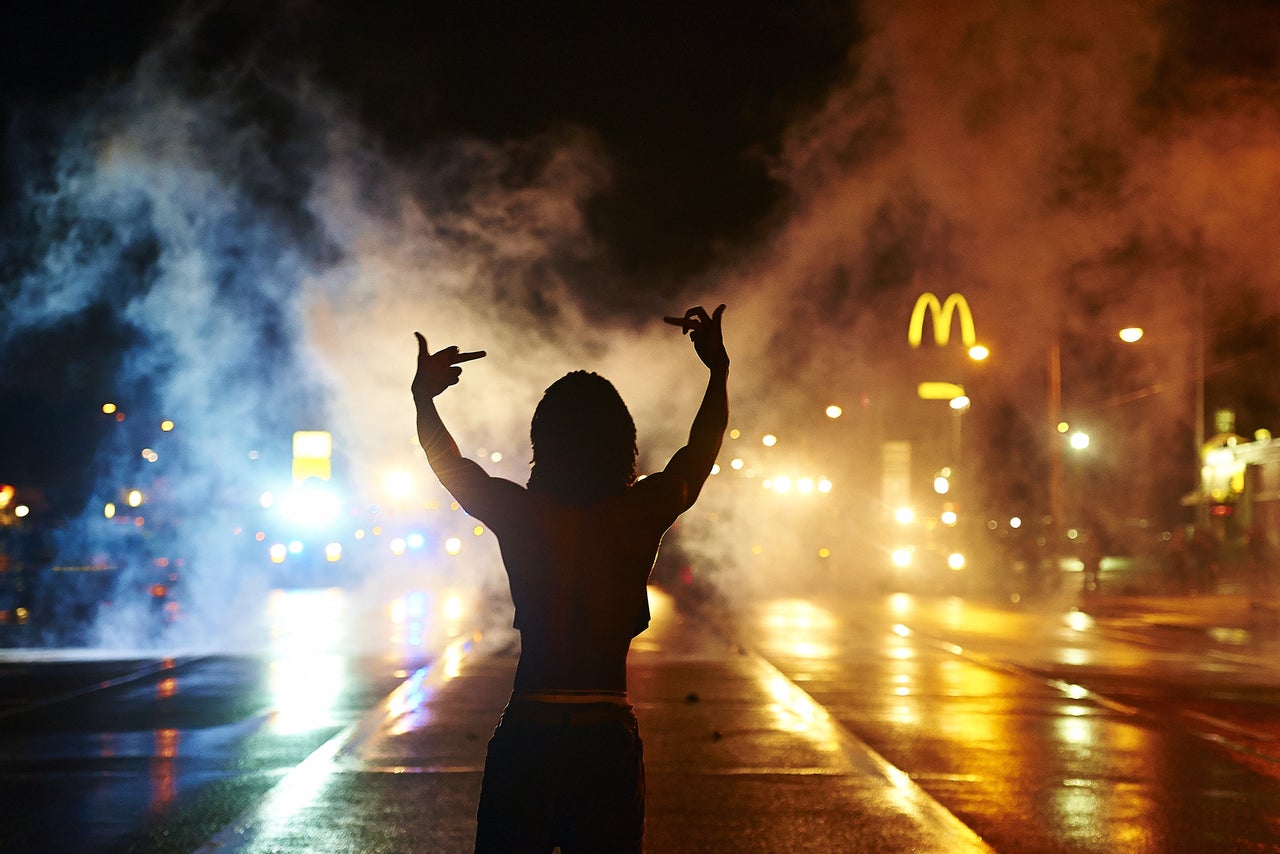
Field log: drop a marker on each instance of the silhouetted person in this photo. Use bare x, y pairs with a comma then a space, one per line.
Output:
1177, 563
1092, 552
565, 764
1203, 548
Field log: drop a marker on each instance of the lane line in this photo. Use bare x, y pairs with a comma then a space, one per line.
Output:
911, 797
161, 666
1076, 691
277, 809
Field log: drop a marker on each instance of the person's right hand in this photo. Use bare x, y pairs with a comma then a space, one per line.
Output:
704, 329
437, 371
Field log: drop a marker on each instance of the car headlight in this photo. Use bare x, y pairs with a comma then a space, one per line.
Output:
311, 505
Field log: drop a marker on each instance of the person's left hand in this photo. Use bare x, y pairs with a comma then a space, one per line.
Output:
437, 371
704, 329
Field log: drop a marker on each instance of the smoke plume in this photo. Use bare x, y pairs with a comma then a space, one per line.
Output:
261, 262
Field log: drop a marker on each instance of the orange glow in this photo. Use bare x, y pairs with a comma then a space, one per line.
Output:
166, 743
164, 784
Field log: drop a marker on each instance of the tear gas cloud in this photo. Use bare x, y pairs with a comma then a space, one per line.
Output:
1071, 170
268, 264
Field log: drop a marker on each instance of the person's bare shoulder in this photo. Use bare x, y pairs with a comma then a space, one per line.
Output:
661, 495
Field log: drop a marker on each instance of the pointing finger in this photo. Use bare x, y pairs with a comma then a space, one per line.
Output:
458, 358
682, 322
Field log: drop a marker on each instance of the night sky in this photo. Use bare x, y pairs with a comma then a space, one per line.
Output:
689, 100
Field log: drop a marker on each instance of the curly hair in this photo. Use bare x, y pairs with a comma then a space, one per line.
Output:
584, 440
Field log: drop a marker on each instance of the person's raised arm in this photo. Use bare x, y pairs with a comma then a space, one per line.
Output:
692, 464
436, 372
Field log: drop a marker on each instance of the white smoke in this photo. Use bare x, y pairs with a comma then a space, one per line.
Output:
271, 262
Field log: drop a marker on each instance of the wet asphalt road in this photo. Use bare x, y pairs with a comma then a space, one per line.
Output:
1044, 729
102, 752
159, 755
1041, 728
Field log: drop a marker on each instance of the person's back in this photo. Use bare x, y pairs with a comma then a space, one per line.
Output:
564, 765
578, 580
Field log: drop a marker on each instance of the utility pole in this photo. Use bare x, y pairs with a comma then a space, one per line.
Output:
1055, 448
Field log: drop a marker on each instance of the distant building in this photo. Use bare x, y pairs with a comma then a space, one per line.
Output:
1240, 487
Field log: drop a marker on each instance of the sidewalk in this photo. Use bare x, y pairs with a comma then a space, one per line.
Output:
1230, 606
1241, 618
738, 759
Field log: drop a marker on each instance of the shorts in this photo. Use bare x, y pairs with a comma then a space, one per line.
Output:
570, 775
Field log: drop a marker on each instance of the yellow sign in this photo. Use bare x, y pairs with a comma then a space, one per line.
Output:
939, 391
312, 452
941, 312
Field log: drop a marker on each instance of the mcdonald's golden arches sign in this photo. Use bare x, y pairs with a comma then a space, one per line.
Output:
940, 313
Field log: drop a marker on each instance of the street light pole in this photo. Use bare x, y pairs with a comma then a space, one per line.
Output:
1055, 447
1202, 514
958, 407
